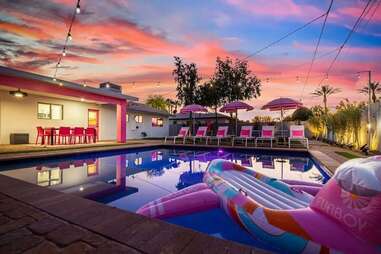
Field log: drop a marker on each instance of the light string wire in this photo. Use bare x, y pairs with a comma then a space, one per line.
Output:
68, 38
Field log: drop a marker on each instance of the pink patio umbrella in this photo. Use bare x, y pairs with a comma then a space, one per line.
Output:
192, 108
282, 104
234, 107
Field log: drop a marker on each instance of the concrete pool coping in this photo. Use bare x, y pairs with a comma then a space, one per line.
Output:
317, 151
30, 215
4, 157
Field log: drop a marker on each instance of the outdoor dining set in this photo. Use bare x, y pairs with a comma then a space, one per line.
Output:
65, 135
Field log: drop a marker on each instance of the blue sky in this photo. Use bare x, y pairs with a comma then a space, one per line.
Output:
132, 42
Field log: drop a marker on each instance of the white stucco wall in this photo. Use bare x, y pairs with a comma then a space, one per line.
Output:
20, 116
146, 126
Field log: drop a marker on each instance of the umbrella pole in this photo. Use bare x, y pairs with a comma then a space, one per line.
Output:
192, 123
236, 122
281, 120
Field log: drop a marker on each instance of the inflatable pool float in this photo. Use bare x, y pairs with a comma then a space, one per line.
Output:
343, 217
195, 198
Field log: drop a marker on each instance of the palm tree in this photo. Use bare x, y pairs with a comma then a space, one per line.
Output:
375, 87
325, 91
157, 102
172, 105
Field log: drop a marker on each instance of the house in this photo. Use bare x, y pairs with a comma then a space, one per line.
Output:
202, 118
29, 100
145, 121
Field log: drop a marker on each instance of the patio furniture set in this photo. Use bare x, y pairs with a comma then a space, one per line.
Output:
65, 135
297, 134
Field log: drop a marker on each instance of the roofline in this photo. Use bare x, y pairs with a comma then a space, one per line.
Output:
147, 112
68, 84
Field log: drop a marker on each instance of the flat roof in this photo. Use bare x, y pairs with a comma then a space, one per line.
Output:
75, 86
208, 115
143, 108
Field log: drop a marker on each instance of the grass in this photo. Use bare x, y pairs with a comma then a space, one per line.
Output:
347, 155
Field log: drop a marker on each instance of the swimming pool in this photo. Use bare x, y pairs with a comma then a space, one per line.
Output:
129, 179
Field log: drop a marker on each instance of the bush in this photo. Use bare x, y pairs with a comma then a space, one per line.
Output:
302, 114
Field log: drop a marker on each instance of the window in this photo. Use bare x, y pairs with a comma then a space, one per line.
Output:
49, 111
138, 161
139, 118
49, 177
157, 122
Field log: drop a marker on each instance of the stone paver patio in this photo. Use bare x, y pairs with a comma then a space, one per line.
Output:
34, 219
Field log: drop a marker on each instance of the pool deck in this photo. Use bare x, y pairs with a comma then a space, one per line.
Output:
19, 152
35, 219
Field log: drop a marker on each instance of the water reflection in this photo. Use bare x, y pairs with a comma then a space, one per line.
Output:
140, 177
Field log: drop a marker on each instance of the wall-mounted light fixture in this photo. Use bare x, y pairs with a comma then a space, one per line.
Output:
18, 93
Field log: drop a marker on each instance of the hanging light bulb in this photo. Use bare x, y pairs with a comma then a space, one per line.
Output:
58, 64
158, 84
69, 36
78, 9
54, 79
64, 52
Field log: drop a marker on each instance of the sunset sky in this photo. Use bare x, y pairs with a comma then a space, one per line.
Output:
126, 41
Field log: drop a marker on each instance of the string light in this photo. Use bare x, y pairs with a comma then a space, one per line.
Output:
69, 37
78, 9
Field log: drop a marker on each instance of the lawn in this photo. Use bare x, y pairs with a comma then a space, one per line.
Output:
347, 155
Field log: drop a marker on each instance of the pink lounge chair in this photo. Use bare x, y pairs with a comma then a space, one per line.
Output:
201, 134
297, 134
183, 133
267, 133
222, 133
244, 135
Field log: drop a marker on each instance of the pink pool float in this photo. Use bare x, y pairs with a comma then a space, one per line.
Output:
196, 198
343, 216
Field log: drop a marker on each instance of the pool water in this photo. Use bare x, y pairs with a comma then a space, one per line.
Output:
130, 179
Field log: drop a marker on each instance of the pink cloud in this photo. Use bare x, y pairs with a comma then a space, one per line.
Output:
279, 9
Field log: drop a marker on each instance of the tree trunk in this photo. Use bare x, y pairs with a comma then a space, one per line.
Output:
325, 104
216, 115
374, 97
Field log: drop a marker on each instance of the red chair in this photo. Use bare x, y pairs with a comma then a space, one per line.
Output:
64, 134
79, 133
91, 135
40, 134
51, 135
